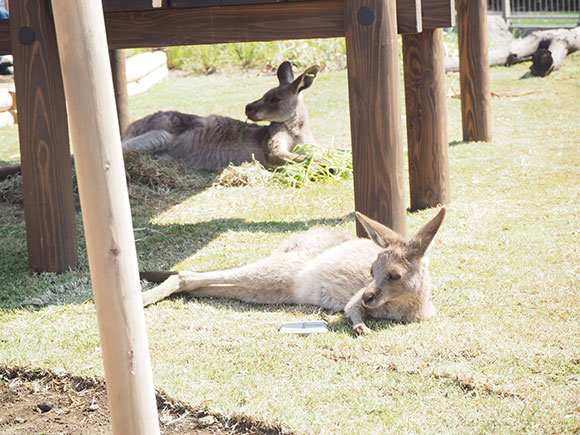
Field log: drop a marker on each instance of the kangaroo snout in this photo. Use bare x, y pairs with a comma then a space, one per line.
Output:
371, 297
252, 110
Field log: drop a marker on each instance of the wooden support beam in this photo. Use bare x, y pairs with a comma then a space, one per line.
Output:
375, 111
474, 70
43, 133
120, 84
136, 23
409, 18
408, 11
210, 25
107, 220
426, 119
438, 13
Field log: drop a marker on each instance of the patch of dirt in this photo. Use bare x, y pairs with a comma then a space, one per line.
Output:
34, 402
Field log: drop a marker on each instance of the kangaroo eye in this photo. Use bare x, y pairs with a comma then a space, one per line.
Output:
393, 276
274, 99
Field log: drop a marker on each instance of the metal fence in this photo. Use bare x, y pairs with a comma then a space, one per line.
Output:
538, 12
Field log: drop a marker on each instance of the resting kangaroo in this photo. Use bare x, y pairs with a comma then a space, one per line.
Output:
212, 143
385, 277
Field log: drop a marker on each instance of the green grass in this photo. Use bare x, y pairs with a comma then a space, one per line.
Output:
501, 356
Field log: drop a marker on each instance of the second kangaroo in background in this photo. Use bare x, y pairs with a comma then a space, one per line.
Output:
385, 278
212, 143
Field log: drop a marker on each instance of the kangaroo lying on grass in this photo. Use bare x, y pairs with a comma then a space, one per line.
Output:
212, 143
385, 278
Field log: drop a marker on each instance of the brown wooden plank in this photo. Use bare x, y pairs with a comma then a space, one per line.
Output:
5, 43
375, 111
260, 22
43, 133
409, 16
438, 13
426, 118
474, 70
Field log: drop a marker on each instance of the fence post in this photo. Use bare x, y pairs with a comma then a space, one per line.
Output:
375, 111
82, 46
474, 70
424, 74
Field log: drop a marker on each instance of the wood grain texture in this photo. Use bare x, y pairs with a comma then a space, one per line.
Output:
259, 22
136, 23
426, 119
119, 71
438, 13
375, 112
106, 216
409, 16
44, 145
5, 42
474, 70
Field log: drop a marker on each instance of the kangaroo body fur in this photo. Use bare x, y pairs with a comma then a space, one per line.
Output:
385, 277
214, 142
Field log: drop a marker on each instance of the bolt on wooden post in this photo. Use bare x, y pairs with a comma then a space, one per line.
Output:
80, 33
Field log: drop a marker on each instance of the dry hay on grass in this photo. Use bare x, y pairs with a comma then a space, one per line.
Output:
145, 176
247, 174
148, 176
38, 402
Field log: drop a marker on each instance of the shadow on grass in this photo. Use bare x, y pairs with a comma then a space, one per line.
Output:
20, 288
190, 238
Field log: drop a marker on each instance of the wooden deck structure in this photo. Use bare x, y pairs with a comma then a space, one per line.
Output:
370, 28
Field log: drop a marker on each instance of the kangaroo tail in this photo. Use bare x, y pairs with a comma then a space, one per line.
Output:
156, 277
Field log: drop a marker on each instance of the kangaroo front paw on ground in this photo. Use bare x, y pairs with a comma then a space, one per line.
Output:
361, 329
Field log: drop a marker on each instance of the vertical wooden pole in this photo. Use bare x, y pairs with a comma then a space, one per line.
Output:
80, 31
43, 133
120, 84
426, 118
375, 112
474, 70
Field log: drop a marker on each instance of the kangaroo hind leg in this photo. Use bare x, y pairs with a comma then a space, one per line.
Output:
152, 142
262, 282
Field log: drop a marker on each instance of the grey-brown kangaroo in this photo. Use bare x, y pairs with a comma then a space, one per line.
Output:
385, 277
212, 143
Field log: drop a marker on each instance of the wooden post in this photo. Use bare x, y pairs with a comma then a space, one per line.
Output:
474, 70
375, 112
104, 199
426, 118
120, 84
43, 132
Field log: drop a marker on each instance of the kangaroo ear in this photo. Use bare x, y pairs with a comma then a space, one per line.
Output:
379, 233
417, 246
306, 79
285, 74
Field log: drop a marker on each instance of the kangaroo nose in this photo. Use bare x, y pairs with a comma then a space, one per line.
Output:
250, 109
369, 296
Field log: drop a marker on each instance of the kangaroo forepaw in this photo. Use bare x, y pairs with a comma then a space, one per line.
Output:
361, 329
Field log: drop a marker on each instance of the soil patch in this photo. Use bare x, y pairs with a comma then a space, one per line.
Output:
34, 402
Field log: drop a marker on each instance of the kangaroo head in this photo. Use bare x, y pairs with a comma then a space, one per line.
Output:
279, 103
399, 274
